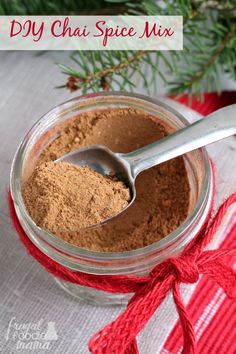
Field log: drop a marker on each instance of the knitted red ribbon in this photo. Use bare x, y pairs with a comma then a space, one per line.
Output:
149, 291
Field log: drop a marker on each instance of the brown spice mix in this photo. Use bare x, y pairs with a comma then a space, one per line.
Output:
163, 192
69, 197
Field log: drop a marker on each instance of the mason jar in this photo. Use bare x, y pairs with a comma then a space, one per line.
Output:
137, 262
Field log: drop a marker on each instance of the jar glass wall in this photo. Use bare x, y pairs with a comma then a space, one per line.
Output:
135, 262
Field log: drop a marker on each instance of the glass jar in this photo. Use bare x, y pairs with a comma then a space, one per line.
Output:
136, 262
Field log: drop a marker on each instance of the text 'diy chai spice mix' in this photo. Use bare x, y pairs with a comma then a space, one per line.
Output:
57, 196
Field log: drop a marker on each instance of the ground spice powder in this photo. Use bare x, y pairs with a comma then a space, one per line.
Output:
163, 192
69, 197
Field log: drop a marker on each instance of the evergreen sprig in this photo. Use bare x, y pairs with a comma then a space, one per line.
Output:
209, 45
67, 7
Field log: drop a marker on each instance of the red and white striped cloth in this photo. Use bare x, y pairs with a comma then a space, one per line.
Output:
213, 314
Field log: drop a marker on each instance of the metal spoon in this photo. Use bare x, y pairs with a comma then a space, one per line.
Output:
126, 167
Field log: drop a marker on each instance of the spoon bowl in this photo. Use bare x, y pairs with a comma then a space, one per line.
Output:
105, 162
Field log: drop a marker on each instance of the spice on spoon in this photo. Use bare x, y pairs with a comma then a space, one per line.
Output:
163, 198
66, 197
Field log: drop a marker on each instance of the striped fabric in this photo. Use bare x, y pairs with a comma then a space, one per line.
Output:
213, 314
212, 101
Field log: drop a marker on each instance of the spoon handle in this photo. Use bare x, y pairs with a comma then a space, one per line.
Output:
216, 126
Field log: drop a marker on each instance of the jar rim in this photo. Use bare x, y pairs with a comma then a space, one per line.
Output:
54, 241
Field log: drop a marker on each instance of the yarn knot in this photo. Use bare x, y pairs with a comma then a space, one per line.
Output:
185, 269
149, 291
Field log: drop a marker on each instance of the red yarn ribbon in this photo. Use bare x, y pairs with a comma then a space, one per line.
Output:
149, 291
